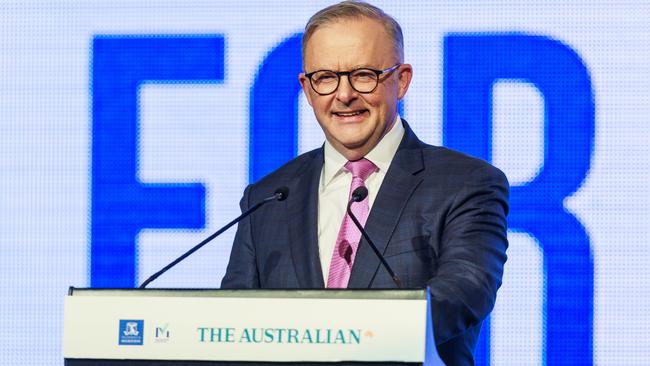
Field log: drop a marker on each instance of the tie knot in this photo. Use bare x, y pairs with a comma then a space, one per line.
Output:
361, 168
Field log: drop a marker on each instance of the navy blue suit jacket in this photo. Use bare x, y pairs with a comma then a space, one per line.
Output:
439, 218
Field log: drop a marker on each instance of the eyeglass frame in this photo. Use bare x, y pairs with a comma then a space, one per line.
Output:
348, 73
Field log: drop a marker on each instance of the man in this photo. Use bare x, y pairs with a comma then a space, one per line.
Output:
438, 216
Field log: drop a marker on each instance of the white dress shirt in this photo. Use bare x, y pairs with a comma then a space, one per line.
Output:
334, 189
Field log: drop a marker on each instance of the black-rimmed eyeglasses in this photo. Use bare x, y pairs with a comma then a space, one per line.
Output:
363, 80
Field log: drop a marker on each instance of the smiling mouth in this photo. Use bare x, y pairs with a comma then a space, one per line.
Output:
350, 114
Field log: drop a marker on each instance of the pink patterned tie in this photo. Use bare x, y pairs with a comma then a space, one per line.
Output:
349, 236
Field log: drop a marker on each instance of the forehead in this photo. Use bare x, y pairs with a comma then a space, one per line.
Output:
349, 43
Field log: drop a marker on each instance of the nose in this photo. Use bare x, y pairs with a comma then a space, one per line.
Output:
345, 93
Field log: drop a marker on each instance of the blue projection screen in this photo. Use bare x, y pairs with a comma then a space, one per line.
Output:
129, 130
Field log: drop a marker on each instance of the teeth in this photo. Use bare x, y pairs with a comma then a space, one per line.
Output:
349, 114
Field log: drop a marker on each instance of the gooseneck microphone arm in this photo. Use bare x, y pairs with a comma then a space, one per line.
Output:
280, 194
359, 195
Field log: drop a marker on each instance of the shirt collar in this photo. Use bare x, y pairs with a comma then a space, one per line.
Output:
381, 155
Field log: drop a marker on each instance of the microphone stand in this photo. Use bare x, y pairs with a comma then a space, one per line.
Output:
359, 195
280, 194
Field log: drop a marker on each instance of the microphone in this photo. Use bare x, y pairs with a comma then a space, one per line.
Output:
280, 194
359, 195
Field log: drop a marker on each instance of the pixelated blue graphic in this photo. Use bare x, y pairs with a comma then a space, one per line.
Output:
121, 205
472, 64
274, 109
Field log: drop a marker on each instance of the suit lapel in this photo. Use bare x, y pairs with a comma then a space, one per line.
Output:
394, 193
302, 206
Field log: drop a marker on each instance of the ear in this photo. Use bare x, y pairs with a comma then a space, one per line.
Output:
405, 74
306, 87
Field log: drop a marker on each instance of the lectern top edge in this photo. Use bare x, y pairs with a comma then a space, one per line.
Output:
403, 294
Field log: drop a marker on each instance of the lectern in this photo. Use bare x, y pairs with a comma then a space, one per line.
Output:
214, 327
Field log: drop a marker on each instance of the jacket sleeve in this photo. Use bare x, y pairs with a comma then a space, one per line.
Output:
242, 271
472, 253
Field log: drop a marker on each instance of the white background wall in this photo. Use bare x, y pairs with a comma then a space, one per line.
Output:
199, 133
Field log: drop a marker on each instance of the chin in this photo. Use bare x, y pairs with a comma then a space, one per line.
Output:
356, 144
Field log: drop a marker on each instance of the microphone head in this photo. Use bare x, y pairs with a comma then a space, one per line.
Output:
359, 194
282, 193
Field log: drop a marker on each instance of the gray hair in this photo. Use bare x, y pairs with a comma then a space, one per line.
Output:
355, 10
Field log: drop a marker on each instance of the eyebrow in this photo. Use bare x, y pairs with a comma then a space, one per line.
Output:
355, 67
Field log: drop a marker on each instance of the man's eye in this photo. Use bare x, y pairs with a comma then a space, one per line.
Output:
324, 78
363, 75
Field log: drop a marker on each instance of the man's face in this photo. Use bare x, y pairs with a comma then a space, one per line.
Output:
354, 122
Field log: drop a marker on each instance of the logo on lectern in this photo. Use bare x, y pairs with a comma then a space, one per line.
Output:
131, 332
162, 334
282, 335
